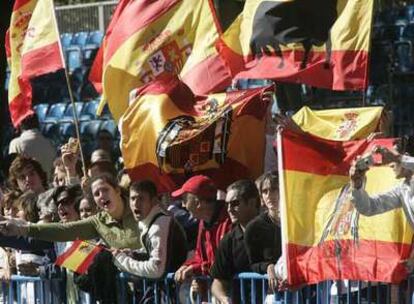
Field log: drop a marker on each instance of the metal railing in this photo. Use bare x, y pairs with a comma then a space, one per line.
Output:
252, 289
84, 17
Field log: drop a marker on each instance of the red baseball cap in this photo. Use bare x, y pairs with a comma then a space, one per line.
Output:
199, 185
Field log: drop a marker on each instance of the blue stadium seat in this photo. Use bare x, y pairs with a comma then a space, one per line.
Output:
409, 11
89, 110
111, 127
41, 110
95, 38
106, 114
65, 39
403, 52
73, 57
79, 38
408, 32
89, 53
68, 115
52, 132
89, 129
67, 129
55, 112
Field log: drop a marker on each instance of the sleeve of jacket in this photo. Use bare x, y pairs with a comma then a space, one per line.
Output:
155, 266
65, 232
196, 261
376, 204
253, 241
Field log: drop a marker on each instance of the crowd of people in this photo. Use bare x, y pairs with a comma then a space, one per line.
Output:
196, 230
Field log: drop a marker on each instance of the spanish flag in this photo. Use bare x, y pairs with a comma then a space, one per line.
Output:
342, 124
167, 128
33, 49
155, 38
95, 73
324, 236
323, 43
78, 257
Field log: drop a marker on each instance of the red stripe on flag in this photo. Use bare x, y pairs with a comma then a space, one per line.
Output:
348, 69
311, 154
210, 75
147, 10
365, 261
61, 258
19, 3
21, 106
42, 60
228, 173
83, 267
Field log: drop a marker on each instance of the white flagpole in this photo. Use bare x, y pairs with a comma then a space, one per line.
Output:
72, 100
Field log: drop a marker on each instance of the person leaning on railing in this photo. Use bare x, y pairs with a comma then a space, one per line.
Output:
114, 224
243, 204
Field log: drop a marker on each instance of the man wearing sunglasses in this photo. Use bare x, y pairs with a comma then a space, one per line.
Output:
243, 204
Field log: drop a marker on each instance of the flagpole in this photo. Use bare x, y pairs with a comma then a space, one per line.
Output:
72, 100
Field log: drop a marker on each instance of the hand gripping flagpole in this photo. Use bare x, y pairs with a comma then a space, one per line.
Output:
72, 100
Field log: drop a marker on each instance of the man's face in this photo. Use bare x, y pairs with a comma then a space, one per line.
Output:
239, 210
66, 210
29, 179
399, 171
140, 203
193, 204
270, 197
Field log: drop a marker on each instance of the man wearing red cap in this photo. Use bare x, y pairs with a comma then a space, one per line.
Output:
199, 196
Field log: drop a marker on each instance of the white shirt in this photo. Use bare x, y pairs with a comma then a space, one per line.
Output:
401, 196
32, 143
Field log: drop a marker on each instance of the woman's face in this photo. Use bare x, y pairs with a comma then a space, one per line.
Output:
107, 198
270, 196
66, 211
86, 209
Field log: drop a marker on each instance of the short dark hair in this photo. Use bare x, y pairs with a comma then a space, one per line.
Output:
30, 122
247, 190
74, 192
17, 166
146, 186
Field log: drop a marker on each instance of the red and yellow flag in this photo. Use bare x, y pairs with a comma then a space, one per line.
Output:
155, 38
33, 48
78, 257
323, 43
95, 74
167, 128
324, 236
342, 124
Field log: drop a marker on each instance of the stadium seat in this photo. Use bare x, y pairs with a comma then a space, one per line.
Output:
41, 110
409, 11
89, 129
89, 53
95, 38
55, 112
111, 127
73, 57
79, 39
403, 52
68, 115
65, 39
67, 129
408, 32
51, 131
89, 110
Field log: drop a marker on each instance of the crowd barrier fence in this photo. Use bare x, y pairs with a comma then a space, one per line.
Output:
252, 289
